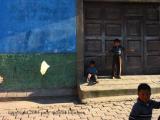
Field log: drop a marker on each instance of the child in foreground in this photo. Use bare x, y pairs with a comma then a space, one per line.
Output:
92, 73
142, 109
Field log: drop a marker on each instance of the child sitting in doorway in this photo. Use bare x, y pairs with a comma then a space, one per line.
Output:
142, 109
92, 73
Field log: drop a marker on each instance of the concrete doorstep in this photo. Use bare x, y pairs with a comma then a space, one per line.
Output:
113, 89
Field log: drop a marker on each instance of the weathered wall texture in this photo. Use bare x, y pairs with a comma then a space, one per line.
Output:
143, 1
32, 31
22, 72
37, 26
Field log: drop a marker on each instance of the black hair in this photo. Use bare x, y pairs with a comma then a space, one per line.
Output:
92, 62
144, 86
117, 40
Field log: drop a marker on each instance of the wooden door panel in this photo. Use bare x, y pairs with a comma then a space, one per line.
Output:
134, 65
153, 61
153, 64
113, 29
108, 64
134, 42
93, 46
135, 45
133, 10
93, 12
153, 46
112, 12
152, 40
134, 28
152, 13
93, 29
108, 45
152, 30
152, 56
134, 62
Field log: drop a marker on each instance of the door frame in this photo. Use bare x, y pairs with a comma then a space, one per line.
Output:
80, 33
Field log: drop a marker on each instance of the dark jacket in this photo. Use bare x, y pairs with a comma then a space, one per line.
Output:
143, 111
117, 50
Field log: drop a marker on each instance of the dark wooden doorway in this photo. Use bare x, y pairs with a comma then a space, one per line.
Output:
137, 25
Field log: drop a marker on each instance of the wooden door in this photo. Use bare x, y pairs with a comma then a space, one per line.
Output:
152, 39
137, 25
103, 24
134, 32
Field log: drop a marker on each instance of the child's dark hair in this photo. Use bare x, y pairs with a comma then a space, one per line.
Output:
92, 62
144, 86
117, 40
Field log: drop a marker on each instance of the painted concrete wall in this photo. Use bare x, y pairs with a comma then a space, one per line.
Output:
32, 31
22, 72
29, 26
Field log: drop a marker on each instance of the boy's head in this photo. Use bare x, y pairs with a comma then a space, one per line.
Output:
92, 63
144, 92
117, 42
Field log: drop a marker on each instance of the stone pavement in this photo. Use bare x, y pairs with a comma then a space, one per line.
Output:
45, 109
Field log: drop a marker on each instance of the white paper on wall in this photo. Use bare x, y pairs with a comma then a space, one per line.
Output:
44, 67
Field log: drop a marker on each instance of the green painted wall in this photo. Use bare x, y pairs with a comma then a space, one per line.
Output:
22, 72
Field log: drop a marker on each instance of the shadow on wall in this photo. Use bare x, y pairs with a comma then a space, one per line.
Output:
42, 96
21, 77
54, 96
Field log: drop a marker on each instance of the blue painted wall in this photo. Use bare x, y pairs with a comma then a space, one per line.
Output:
37, 26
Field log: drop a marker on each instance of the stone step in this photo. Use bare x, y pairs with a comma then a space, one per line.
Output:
118, 87
116, 98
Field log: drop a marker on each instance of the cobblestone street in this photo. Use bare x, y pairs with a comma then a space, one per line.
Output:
71, 110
